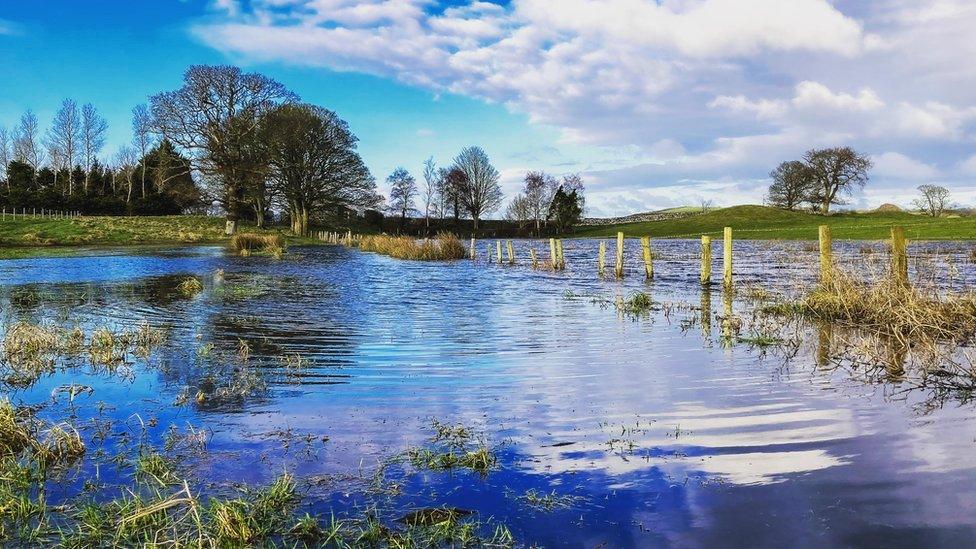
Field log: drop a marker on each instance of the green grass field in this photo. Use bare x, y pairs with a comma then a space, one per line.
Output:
761, 222
27, 237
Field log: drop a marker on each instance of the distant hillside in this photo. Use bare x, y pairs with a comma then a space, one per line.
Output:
763, 222
657, 215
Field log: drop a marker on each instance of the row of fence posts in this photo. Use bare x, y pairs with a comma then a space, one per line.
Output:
899, 256
557, 260
329, 237
43, 213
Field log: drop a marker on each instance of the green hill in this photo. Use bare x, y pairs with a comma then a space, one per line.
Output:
762, 222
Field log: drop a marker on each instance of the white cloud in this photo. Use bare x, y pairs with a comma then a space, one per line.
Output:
816, 96
898, 166
705, 90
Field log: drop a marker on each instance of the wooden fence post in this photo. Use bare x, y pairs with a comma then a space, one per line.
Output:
706, 260
535, 261
498, 254
601, 258
511, 253
552, 253
619, 270
472, 249
559, 254
899, 256
646, 249
727, 259
826, 257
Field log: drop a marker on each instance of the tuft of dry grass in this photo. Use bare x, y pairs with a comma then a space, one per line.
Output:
907, 313
246, 244
445, 246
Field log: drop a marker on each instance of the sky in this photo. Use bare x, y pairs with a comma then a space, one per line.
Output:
656, 104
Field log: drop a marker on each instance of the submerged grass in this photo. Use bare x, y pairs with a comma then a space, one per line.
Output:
453, 446
445, 246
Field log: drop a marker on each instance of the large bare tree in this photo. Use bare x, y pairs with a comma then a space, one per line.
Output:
214, 118
934, 200
313, 163
480, 194
835, 171
93, 128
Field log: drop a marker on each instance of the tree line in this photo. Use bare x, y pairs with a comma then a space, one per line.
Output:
61, 168
244, 143
469, 189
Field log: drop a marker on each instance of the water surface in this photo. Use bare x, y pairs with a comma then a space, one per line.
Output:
657, 431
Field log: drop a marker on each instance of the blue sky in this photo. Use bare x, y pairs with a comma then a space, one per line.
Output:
656, 103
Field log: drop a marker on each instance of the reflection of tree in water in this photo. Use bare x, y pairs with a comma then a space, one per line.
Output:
251, 331
933, 373
39, 301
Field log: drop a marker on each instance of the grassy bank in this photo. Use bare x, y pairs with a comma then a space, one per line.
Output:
53, 237
761, 222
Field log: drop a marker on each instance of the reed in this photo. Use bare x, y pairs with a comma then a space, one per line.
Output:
909, 314
246, 244
444, 246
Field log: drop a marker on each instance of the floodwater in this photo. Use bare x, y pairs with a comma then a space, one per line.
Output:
651, 429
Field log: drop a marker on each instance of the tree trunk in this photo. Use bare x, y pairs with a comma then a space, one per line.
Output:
304, 221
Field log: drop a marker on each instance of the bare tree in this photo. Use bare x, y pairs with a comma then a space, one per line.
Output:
126, 161
142, 137
214, 118
5, 155
481, 194
403, 188
64, 138
314, 163
538, 189
452, 182
706, 205
27, 142
791, 185
934, 200
93, 128
520, 210
431, 180
835, 171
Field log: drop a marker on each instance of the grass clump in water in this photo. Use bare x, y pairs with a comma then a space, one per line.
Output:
247, 244
453, 447
189, 286
445, 246
639, 303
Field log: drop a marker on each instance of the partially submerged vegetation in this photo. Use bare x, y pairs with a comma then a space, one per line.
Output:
453, 447
444, 246
33, 350
246, 244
